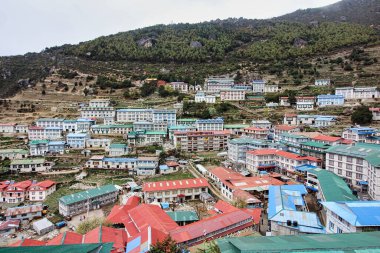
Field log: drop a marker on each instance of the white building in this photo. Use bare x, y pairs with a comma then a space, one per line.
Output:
305, 103
12, 154
261, 123
284, 101
38, 147
154, 115
50, 122
97, 112
44, 133
30, 165
375, 113
258, 86
98, 143
39, 191
202, 97
77, 140
359, 165
358, 134
217, 83
180, 86
351, 216
21, 128
99, 102
209, 124
330, 100
232, 95
358, 92
270, 88
118, 149
7, 127
322, 82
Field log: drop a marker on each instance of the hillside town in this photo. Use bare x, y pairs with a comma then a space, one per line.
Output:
148, 174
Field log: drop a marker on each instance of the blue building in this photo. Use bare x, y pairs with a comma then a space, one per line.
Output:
77, 140
352, 216
324, 121
327, 100
216, 124
56, 147
287, 212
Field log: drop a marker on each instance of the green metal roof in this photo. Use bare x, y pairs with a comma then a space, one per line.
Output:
369, 152
316, 144
118, 145
365, 242
245, 140
176, 127
72, 248
50, 119
36, 142
233, 126
28, 161
155, 132
333, 187
83, 195
295, 136
16, 150
186, 120
183, 215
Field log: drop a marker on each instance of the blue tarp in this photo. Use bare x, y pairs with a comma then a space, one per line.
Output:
311, 188
164, 205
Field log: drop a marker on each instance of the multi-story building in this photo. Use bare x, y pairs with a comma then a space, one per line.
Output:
351, 216
278, 160
118, 149
21, 128
77, 140
284, 101
98, 143
261, 124
270, 88
50, 122
38, 191
69, 126
117, 129
133, 115
44, 133
322, 82
180, 86
314, 149
232, 95
169, 116
188, 122
288, 213
358, 134
197, 141
293, 141
305, 103
92, 199
174, 190
358, 92
56, 147
324, 121
180, 128
202, 97
7, 127
99, 102
280, 129
28, 212
14, 193
12, 154
217, 83
328, 186
330, 100
30, 165
38, 147
135, 166
290, 119
235, 129
375, 113
97, 112
358, 165
258, 86
237, 148
209, 124
256, 133
146, 137
84, 125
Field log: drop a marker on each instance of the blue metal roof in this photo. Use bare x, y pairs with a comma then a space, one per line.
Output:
164, 167
357, 213
305, 167
51, 143
76, 135
217, 120
330, 97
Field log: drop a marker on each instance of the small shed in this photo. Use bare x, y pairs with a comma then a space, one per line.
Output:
43, 226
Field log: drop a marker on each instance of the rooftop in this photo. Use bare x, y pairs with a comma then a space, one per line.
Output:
183, 215
28, 161
343, 243
84, 195
175, 184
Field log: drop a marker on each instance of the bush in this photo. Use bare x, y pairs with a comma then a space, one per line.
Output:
362, 115
92, 223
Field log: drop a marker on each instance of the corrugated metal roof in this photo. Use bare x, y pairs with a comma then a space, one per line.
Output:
183, 215
350, 243
80, 196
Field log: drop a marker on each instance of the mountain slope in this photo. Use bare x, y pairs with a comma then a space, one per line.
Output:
366, 12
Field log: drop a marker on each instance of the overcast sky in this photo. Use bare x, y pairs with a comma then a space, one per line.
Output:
32, 25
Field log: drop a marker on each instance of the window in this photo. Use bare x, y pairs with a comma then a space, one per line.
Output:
359, 168
348, 174
339, 231
349, 159
359, 176
331, 226
331, 163
340, 172
339, 164
359, 161
349, 166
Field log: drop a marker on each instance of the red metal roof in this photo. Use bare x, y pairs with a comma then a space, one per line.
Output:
285, 127
255, 214
152, 215
175, 184
133, 201
225, 173
224, 207
327, 138
282, 154
108, 234
27, 242
67, 237
208, 225
4, 225
46, 183
23, 184
373, 109
172, 164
